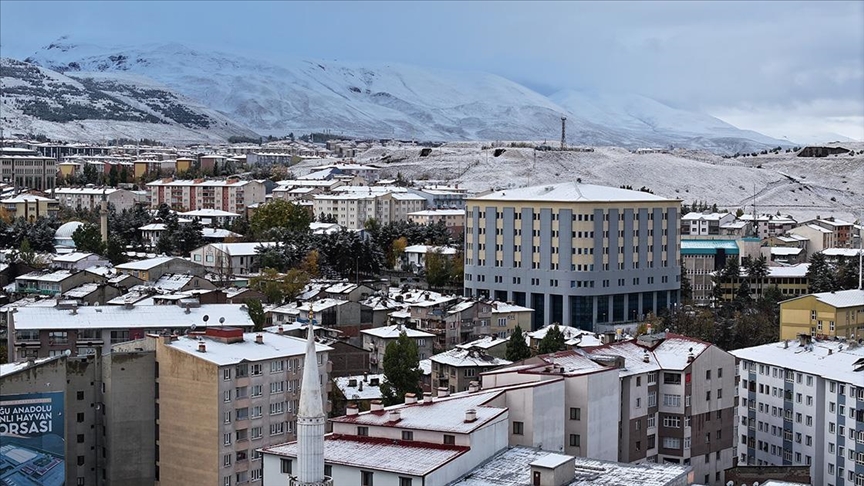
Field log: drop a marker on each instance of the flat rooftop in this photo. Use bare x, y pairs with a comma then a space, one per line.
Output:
220, 353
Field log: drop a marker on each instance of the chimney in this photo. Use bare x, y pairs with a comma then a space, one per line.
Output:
470, 415
473, 387
202, 348
443, 392
376, 406
259, 338
352, 409
690, 356
785, 344
410, 398
646, 358
830, 351
395, 415
427, 397
280, 330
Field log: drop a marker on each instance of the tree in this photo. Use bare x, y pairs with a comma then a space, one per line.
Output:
517, 348
88, 239
821, 274
279, 214
278, 287
256, 313
188, 237
397, 249
114, 251
757, 271
402, 371
437, 269
113, 176
552, 342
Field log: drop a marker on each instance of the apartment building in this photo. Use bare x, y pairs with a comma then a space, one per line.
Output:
801, 403
232, 195
677, 403
704, 223
819, 237
24, 168
91, 197
53, 282
354, 207
230, 258
455, 370
843, 230
30, 207
578, 254
768, 225
826, 314
223, 395
454, 219
376, 340
38, 331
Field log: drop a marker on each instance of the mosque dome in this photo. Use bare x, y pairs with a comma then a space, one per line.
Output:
63, 235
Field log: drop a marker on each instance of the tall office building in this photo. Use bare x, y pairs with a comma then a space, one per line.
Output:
578, 254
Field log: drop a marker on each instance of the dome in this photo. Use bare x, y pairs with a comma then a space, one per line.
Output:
63, 235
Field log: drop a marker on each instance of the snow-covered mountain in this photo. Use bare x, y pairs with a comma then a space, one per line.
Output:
97, 108
395, 100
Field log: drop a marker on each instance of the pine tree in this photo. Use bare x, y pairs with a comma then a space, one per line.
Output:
552, 342
517, 348
402, 371
256, 313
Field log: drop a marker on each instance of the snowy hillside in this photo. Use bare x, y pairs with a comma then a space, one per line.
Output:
91, 108
803, 187
392, 100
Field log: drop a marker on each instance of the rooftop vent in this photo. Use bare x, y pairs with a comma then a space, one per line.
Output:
645, 357
690, 356
443, 392
473, 387
259, 338
427, 397
395, 415
410, 398
202, 348
376, 405
470, 415
352, 409
280, 330
352, 382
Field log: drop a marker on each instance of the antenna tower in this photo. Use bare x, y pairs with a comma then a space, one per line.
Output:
563, 130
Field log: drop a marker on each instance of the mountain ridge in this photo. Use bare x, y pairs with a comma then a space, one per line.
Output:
395, 100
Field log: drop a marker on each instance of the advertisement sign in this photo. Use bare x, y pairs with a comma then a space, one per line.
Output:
32, 445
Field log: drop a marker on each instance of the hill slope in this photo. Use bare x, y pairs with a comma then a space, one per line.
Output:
390, 100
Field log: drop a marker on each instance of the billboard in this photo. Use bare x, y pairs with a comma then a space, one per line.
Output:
32, 447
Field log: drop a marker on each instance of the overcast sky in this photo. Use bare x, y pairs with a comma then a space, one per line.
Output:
793, 69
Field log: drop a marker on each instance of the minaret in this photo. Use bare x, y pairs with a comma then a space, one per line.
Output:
310, 422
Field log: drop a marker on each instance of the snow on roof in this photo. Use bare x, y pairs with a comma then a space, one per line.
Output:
218, 233
799, 271
55, 276
708, 247
671, 353
785, 250
407, 196
468, 357
443, 414
835, 222
512, 467
341, 288
396, 456
220, 353
426, 366
362, 389
81, 291
734, 225
506, 308
698, 216
146, 264
574, 363
839, 299
551, 461
242, 249
9, 368
569, 332
423, 249
92, 191
841, 252
26, 198
232, 183
816, 227
138, 317
210, 213
485, 342
393, 332
316, 306
171, 281
72, 257
571, 192
832, 360
324, 228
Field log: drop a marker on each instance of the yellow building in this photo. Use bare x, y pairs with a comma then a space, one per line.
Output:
828, 314
791, 281
30, 206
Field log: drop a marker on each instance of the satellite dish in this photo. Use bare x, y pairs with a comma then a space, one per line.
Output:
205, 318
67, 353
192, 327
221, 320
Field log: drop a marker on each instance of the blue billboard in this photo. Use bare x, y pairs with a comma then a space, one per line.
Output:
32, 448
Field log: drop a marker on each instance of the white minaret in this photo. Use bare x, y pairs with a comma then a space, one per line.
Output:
310, 422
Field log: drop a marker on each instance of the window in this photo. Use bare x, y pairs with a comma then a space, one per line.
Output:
255, 433
242, 434
226, 439
286, 466
256, 474
671, 400
277, 366
671, 443
227, 417
671, 378
518, 428
638, 381
226, 374
277, 387
575, 413
366, 478
226, 460
363, 431
227, 396
672, 421
405, 481
328, 470
652, 378
277, 428
575, 440
707, 374
255, 369
277, 408
407, 435
449, 439
651, 422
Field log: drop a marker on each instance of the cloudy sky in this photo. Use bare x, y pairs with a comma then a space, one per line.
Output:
793, 69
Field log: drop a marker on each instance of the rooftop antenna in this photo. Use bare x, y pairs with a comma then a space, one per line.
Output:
563, 130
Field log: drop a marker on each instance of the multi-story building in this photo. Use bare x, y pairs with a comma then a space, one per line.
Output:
830, 314
221, 397
801, 402
578, 254
843, 230
53, 282
230, 258
456, 369
376, 340
30, 207
769, 224
38, 331
442, 197
819, 237
91, 197
25, 168
454, 219
704, 223
790, 281
677, 403
352, 208
232, 195
700, 259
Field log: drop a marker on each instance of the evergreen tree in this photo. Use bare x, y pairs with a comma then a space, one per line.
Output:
552, 342
402, 373
256, 313
517, 348
88, 239
821, 274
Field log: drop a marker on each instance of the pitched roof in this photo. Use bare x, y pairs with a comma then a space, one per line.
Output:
468, 357
393, 332
139, 317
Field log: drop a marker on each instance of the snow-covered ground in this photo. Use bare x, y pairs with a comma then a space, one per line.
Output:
802, 187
